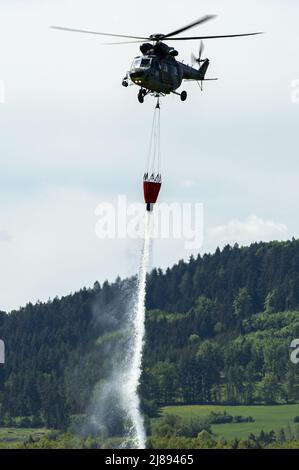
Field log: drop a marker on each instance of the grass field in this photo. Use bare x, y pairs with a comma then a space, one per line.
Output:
10, 436
267, 418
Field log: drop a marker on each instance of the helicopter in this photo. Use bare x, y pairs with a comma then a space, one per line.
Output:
157, 71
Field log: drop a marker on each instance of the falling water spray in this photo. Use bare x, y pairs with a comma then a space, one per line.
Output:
136, 436
115, 410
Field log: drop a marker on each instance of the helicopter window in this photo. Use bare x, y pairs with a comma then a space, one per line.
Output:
136, 62
145, 63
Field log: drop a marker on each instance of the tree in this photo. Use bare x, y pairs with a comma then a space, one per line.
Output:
189, 378
270, 389
164, 375
205, 312
272, 302
242, 304
210, 363
281, 437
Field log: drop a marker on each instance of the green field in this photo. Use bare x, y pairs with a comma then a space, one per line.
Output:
267, 418
11, 436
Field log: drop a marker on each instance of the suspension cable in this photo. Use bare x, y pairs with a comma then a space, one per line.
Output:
154, 154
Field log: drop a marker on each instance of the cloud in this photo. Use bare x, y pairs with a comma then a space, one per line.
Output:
244, 232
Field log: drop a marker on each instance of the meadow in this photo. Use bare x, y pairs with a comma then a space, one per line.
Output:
11, 436
267, 418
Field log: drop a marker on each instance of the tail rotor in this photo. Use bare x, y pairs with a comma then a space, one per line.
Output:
203, 64
198, 60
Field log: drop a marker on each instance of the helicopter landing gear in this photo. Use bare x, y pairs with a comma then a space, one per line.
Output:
142, 93
183, 96
125, 81
140, 97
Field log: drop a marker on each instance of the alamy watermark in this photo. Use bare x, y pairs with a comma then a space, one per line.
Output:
295, 91
176, 221
2, 352
295, 352
2, 92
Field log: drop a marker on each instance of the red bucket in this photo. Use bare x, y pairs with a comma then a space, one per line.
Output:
151, 191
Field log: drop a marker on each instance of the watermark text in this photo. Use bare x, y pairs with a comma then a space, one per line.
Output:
176, 221
2, 92
295, 352
295, 91
2, 352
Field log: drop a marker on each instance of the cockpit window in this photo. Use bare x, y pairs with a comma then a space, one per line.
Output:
136, 62
140, 63
145, 63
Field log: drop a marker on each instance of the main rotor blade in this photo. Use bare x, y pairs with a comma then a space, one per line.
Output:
202, 20
214, 37
201, 49
122, 42
61, 28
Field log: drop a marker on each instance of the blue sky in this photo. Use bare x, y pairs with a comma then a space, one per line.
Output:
73, 137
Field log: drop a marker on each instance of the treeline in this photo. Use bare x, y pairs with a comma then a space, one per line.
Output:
205, 440
191, 359
261, 268
213, 335
169, 432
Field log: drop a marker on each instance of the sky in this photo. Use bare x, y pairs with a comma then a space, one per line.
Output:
71, 137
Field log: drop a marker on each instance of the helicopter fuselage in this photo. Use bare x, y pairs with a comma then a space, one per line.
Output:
161, 72
155, 74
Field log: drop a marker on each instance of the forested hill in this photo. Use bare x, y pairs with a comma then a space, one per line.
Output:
218, 330
262, 268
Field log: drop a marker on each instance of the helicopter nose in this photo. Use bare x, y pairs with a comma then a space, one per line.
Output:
137, 75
